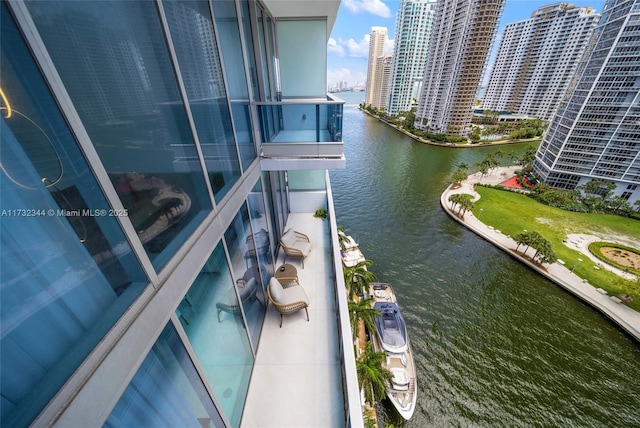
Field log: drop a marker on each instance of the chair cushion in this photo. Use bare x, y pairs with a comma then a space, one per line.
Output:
304, 247
295, 294
288, 238
276, 290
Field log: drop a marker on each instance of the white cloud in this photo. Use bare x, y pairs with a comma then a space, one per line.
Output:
374, 7
357, 49
349, 48
334, 48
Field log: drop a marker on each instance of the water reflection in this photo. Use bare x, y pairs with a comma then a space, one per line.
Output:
496, 344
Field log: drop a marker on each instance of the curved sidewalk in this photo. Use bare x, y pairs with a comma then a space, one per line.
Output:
627, 318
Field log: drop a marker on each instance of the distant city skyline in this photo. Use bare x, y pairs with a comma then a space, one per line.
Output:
348, 45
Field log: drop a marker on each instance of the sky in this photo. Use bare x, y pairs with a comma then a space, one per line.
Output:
348, 46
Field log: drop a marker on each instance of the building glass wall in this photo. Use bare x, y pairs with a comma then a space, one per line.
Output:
196, 49
67, 271
228, 26
166, 391
244, 247
115, 65
210, 315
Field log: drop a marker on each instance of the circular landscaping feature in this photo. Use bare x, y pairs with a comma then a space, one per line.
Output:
620, 256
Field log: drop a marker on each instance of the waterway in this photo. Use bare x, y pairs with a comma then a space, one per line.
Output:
496, 344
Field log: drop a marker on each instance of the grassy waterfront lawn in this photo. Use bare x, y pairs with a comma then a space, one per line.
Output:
512, 213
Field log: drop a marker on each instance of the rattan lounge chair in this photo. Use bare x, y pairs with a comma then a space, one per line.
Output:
295, 244
287, 300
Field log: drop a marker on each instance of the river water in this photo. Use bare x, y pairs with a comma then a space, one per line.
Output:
496, 344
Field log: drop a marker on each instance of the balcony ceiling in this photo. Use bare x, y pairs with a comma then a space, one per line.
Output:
305, 9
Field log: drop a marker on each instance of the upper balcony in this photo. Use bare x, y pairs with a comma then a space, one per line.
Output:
301, 134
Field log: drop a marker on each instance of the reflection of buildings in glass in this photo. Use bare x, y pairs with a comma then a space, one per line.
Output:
204, 79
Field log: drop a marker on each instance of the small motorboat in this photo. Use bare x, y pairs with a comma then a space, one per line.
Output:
349, 251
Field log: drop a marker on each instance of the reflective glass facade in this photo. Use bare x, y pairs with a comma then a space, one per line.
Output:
67, 271
115, 64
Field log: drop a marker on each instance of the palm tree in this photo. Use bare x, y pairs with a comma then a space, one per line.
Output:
357, 278
362, 311
372, 377
342, 236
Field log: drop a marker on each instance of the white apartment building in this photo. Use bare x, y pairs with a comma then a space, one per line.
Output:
377, 41
595, 133
537, 60
461, 39
413, 29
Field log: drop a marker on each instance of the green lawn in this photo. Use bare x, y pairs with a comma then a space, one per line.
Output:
512, 213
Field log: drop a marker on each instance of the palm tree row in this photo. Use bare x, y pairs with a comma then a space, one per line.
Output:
464, 201
544, 251
372, 376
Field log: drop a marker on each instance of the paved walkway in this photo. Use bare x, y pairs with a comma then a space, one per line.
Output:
627, 318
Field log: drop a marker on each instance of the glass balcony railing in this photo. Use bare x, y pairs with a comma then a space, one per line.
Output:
301, 127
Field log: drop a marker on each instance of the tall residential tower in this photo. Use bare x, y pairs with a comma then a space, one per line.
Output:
377, 41
413, 29
595, 133
537, 60
461, 38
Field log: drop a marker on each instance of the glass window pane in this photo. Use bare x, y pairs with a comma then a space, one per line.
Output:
229, 31
195, 44
166, 391
209, 314
114, 63
259, 223
67, 272
244, 249
253, 71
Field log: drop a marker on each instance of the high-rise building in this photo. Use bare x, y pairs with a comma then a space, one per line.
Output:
377, 41
537, 60
413, 29
595, 133
384, 67
153, 154
461, 39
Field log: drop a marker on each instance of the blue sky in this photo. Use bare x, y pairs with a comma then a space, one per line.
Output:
348, 46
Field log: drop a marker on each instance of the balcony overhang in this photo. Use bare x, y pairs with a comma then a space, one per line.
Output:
305, 9
296, 163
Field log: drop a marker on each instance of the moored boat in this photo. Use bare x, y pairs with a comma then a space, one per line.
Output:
392, 339
349, 251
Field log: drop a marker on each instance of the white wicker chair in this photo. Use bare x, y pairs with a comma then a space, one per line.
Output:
287, 300
295, 244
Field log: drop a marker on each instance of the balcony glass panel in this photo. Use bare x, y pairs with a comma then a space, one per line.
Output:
291, 124
115, 65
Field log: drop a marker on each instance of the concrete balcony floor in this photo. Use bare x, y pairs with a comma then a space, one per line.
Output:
297, 376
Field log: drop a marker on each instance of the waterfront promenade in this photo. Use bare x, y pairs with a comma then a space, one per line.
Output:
627, 318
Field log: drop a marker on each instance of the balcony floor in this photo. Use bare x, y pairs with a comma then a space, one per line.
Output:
296, 380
